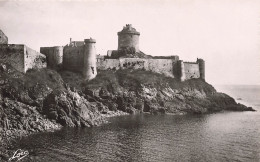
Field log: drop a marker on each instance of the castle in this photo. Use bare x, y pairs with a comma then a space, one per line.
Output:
80, 56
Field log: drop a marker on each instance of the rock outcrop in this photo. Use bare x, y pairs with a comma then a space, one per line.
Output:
44, 100
143, 91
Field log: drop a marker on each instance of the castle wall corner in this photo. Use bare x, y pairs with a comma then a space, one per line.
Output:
3, 38
33, 59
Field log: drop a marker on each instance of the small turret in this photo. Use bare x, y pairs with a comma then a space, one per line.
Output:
89, 56
201, 63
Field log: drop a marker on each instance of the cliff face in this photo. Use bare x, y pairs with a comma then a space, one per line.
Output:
42, 100
142, 91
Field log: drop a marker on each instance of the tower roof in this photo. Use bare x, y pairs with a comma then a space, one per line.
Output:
128, 29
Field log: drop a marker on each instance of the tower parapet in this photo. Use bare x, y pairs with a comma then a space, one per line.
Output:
89, 59
201, 63
128, 38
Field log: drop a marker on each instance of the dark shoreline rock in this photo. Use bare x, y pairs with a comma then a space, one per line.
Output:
43, 100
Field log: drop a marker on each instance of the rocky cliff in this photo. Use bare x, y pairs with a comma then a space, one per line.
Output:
45, 100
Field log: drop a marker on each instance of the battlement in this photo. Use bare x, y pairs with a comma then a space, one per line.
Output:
90, 40
190, 62
128, 29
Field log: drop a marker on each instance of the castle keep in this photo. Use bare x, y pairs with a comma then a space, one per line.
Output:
128, 38
80, 56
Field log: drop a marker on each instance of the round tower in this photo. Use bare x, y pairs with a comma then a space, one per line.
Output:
57, 57
182, 75
128, 39
89, 59
201, 63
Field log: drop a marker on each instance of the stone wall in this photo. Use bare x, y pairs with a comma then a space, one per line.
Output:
162, 66
73, 58
108, 64
21, 57
3, 38
167, 67
13, 54
191, 70
33, 59
128, 40
133, 63
54, 56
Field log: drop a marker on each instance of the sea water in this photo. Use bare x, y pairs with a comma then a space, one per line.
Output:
221, 136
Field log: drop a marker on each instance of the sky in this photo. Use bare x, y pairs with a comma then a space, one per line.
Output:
225, 33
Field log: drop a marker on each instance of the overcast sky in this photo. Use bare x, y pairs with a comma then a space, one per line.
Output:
225, 33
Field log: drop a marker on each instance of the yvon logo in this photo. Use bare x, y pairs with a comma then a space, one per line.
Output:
18, 155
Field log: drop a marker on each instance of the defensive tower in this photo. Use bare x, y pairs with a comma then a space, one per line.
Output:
201, 63
128, 38
182, 75
54, 56
89, 59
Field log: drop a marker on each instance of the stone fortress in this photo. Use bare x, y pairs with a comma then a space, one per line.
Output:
80, 56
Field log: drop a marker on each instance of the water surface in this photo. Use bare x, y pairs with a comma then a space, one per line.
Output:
223, 136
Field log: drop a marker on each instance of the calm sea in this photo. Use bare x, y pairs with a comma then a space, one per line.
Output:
223, 136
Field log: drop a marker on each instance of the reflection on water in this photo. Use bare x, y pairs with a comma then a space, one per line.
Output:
224, 136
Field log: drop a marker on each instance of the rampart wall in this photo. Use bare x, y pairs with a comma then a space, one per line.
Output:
162, 66
191, 70
108, 64
21, 57
73, 58
167, 67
